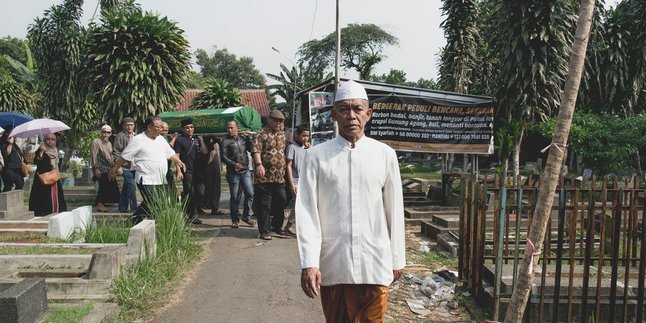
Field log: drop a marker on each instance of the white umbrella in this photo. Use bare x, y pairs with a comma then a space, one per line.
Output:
38, 127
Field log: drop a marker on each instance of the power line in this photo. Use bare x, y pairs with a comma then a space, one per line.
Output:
316, 6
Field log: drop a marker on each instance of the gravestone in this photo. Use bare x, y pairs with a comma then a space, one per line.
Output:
12, 206
24, 302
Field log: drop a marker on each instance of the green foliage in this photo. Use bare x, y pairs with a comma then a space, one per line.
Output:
615, 76
607, 143
398, 77
86, 142
148, 284
218, 94
104, 232
138, 64
58, 42
532, 41
361, 49
241, 73
458, 58
14, 96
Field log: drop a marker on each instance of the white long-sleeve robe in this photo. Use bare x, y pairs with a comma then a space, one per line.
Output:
350, 212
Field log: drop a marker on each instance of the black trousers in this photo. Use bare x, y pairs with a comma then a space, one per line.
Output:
188, 194
269, 205
11, 177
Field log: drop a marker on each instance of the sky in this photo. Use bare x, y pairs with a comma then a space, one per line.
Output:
252, 27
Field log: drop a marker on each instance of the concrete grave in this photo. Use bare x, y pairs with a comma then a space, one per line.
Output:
61, 225
142, 241
106, 263
12, 206
24, 302
82, 217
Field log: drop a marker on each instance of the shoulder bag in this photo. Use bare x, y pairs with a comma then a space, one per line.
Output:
51, 177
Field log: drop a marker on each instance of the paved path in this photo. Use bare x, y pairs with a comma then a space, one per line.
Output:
244, 279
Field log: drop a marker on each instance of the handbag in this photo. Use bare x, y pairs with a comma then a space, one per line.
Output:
51, 177
26, 170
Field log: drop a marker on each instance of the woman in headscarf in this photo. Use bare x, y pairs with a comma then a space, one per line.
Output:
102, 161
46, 199
12, 157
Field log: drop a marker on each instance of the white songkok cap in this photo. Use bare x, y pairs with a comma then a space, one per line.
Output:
106, 128
350, 90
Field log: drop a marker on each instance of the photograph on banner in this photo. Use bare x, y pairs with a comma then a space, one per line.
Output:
322, 126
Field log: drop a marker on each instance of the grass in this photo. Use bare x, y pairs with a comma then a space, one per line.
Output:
411, 170
147, 285
67, 314
436, 259
105, 232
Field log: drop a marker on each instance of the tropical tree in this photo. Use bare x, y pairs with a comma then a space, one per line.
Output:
457, 58
58, 41
541, 216
532, 39
398, 77
138, 63
361, 49
14, 96
240, 72
217, 94
290, 83
615, 79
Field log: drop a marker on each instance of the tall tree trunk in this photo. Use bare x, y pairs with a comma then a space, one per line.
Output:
515, 167
549, 180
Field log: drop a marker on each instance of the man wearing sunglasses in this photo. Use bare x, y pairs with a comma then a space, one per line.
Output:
188, 149
269, 190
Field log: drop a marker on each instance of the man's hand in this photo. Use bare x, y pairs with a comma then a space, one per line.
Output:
311, 281
112, 175
260, 171
397, 274
294, 189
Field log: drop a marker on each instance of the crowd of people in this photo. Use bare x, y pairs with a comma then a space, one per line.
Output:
343, 197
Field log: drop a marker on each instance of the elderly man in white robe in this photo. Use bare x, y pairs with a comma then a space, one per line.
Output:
350, 217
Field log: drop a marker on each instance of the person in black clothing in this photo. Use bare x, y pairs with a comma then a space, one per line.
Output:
46, 199
12, 172
188, 148
234, 154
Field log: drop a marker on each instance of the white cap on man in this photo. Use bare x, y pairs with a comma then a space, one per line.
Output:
106, 128
350, 90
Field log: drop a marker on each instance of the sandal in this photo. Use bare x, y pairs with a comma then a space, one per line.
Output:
265, 236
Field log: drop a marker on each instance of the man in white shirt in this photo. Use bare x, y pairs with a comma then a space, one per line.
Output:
149, 152
350, 216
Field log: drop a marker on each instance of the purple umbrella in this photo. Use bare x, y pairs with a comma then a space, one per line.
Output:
38, 127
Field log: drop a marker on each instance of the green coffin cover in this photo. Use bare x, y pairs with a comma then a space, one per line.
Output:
214, 120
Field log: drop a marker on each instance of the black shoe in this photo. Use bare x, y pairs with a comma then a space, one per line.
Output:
196, 221
265, 236
279, 232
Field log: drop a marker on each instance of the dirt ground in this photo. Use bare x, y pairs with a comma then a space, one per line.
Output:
398, 309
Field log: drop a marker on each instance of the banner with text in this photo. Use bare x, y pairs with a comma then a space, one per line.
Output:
421, 125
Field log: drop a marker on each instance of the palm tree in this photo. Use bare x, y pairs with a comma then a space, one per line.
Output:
290, 83
138, 63
532, 40
457, 59
217, 94
548, 183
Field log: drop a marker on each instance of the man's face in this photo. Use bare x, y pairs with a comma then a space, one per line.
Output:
164, 130
303, 137
276, 124
155, 128
232, 128
105, 134
351, 116
188, 129
129, 127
